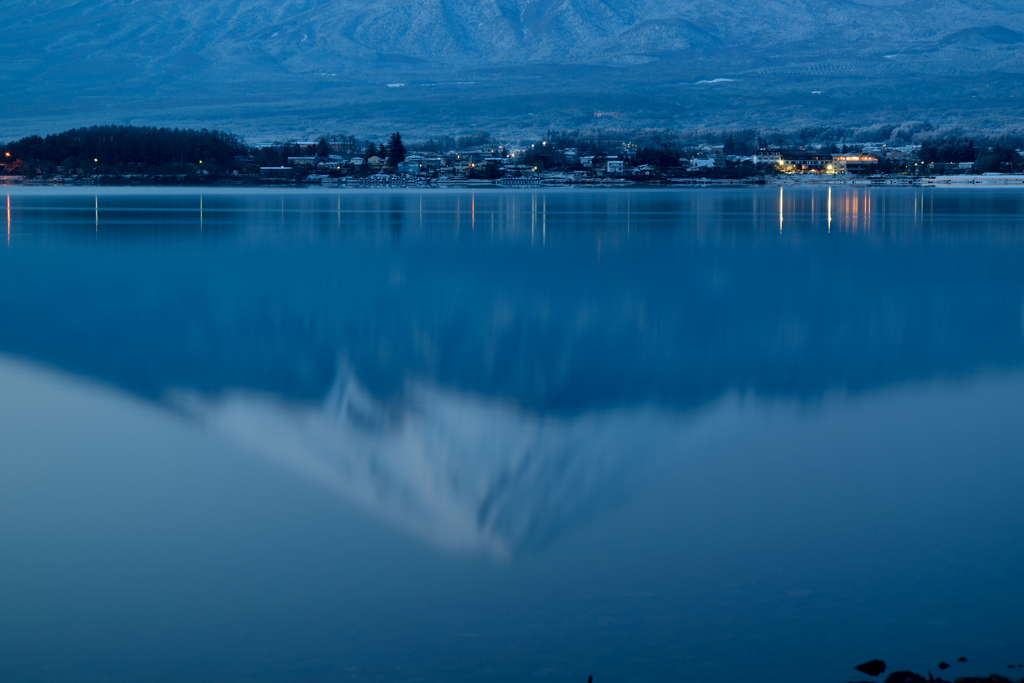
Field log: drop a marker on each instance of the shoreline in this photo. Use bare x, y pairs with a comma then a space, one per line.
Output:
226, 186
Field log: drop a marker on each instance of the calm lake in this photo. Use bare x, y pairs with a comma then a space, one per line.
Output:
704, 435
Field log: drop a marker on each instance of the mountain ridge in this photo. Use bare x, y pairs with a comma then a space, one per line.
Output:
288, 67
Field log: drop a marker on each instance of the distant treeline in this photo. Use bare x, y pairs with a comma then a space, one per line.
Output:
447, 143
998, 157
949, 151
117, 145
162, 151
946, 144
895, 135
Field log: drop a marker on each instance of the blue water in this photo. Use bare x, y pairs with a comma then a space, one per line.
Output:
701, 435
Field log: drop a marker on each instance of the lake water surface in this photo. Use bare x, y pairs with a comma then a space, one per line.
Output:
702, 435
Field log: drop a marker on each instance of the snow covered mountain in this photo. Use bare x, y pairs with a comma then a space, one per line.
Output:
307, 66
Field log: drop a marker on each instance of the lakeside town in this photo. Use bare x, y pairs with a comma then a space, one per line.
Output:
125, 155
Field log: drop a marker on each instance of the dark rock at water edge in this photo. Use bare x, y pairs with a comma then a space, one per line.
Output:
872, 668
905, 677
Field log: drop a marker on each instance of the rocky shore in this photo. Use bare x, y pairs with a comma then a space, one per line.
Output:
877, 667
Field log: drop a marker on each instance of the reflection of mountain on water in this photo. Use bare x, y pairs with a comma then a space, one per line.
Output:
507, 388
463, 473
555, 331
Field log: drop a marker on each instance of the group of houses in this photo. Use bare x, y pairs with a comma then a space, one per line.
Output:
456, 164
509, 162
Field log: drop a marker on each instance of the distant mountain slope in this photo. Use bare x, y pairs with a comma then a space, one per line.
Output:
294, 65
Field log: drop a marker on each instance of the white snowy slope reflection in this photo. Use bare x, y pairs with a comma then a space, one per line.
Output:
459, 471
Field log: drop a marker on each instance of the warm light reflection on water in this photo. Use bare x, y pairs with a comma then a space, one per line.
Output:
848, 209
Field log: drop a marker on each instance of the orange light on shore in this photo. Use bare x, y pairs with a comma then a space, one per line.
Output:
7, 154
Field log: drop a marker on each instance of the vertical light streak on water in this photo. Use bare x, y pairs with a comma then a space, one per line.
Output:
472, 212
200, 213
830, 210
544, 221
780, 210
96, 208
533, 216
8, 220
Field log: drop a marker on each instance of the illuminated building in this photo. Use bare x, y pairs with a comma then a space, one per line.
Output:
855, 163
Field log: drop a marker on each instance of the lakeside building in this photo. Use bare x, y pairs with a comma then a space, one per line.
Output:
856, 163
768, 156
410, 167
947, 168
644, 171
805, 161
817, 161
426, 162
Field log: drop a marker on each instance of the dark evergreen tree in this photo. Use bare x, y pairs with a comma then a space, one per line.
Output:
323, 150
396, 150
